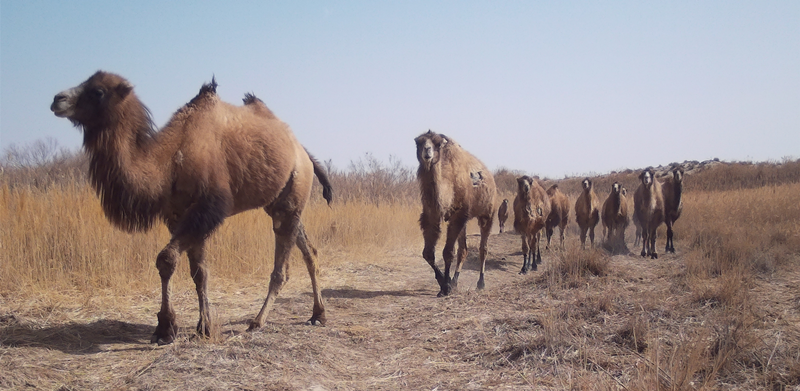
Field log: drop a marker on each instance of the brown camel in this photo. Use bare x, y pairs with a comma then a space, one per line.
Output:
559, 214
531, 209
615, 218
648, 204
502, 214
587, 213
455, 187
672, 188
212, 160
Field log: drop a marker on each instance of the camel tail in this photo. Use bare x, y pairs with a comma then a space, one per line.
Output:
327, 189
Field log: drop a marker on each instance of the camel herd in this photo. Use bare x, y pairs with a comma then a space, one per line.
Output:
213, 160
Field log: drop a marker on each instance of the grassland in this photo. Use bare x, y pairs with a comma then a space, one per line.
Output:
78, 298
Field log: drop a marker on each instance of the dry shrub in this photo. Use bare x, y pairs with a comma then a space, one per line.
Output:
541, 338
744, 175
573, 266
42, 164
633, 334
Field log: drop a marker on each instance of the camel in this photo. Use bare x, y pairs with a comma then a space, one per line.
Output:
502, 214
672, 188
587, 214
454, 187
210, 161
559, 214
648, 204
615, 217
531, 209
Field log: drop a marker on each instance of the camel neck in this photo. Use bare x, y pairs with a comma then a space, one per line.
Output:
125, 174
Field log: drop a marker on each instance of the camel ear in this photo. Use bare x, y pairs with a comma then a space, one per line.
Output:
123, 89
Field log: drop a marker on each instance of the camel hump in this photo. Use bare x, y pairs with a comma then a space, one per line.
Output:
207, 92
209, 88
250, 99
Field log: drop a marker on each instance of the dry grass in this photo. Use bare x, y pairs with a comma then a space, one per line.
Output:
78, 298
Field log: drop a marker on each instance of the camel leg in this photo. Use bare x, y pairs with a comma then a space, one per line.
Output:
525, 249
561, 235
431, 232
652, 237
167, 328
285, 226
583, 237
644, 243
549, 232
309, 256
454, 228
461, 256
486, 228
537, 251
670, 247
591, 235
197, 267
189, 232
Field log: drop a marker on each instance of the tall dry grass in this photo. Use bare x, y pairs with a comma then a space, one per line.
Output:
54, 236
59, 239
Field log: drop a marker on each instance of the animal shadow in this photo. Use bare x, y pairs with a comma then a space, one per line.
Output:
350, 293
473, 261
74, 338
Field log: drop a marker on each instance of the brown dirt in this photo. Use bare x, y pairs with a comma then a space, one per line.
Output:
388, 330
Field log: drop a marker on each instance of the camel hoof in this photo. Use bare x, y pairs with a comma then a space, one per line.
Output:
644, 254
523, 271
203, 330
654, 256
161, 341
316, 320
253, 326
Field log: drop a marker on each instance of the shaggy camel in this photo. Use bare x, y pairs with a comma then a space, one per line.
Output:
672, 188
648, 204
531, 209
502, 215
212, 160
455, 187
615, 217
559, 214
587, 213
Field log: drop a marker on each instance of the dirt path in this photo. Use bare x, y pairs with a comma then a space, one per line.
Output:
386, 330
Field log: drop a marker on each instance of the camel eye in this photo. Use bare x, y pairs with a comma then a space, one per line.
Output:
98, 93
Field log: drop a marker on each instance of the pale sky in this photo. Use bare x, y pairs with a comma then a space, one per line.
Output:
548, 87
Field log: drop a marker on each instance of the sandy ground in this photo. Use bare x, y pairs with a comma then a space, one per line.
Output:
386, 330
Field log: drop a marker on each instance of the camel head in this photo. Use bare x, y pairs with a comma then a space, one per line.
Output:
428, 148
646, 177
505, 201
616, 188
587, 184
524, 184
624, 191
677, 174
88, 104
